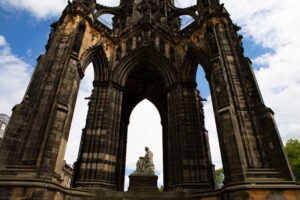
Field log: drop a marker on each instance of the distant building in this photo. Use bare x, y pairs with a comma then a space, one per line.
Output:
3, 124
66, 175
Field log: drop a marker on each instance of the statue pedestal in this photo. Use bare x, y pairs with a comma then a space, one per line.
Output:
139, 181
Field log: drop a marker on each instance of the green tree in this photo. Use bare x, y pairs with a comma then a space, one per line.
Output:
220, 177
292, 149
161, 188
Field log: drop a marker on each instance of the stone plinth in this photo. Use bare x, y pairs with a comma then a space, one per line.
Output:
142, 182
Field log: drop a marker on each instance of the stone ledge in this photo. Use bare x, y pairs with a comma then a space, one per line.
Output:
38, 183
247, 187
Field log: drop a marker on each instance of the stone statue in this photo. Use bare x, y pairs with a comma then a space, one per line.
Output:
145, 164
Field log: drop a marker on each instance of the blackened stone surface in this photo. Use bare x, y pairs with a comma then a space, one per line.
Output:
145, 56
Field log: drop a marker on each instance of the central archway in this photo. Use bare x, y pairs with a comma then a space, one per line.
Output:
144, 130
144, 74
143, 82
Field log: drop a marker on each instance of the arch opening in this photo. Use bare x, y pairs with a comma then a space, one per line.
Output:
144, 106
107, 20
148, 58
184, 3
144, 130
140, 85
109, 3
185, 21
79, 116
210, 124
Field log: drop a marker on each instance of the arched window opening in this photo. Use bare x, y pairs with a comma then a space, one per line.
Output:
107, 20
210, 124
144, 130
79, 116
185, 20
109, 3
185, 3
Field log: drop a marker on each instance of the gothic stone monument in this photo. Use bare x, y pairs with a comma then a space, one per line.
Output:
144, 55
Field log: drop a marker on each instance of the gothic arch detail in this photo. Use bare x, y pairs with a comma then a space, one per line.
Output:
145, 55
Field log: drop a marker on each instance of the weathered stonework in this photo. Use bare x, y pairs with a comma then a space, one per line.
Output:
145, 55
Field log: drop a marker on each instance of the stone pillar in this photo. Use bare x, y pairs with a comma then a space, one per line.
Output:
232, 152
54, 144
247, 131
189, 164
98, 159
39, 128
121, 160
22, 113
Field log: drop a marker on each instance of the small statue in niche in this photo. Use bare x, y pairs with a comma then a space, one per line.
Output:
145, 164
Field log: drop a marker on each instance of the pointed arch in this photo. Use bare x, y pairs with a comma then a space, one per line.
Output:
194, 56
142, 56
97, 56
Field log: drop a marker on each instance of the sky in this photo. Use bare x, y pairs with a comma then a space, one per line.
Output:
271, 39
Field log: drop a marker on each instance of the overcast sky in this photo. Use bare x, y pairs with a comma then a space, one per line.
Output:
271, 38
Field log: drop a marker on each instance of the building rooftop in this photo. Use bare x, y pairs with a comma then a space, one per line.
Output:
4, 117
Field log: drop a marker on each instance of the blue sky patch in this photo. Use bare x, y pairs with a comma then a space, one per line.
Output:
26, 35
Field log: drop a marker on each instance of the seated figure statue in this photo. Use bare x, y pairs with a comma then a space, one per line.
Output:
145, 164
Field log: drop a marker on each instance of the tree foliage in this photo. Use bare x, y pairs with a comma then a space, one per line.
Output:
161, 188
292, 149
220, 177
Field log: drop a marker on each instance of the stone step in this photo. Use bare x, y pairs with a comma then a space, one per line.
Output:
263, 173
137, 195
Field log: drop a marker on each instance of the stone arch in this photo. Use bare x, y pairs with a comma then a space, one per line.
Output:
97, 56
146, 54
105, 11
143, 78
193, 57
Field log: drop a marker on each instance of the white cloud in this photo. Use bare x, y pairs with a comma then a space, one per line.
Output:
110, 3
185, 3
2, 41
44, 9
15, 75
41, 9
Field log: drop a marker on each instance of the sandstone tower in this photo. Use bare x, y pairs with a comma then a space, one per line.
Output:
144, 55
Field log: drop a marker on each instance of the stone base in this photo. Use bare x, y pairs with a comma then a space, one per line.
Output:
142, 182
35, 189
252, 191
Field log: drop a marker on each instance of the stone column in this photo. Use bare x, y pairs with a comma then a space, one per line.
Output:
121, 160
189, 164
99, 155
39, 128
230, 140
246, 129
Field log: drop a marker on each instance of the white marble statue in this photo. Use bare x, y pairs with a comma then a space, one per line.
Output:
145, 164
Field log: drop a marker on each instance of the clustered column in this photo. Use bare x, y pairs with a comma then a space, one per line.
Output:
189, 163
98, 157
